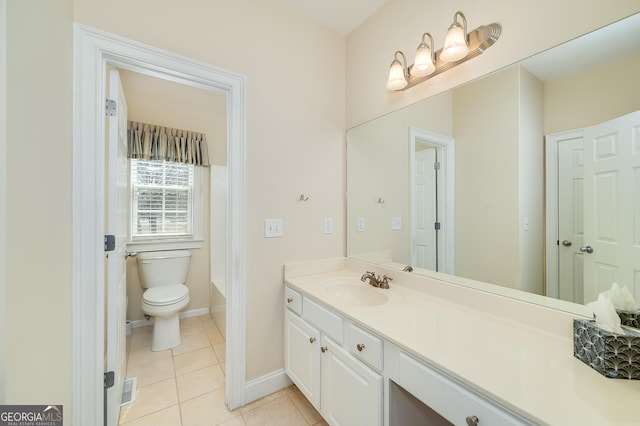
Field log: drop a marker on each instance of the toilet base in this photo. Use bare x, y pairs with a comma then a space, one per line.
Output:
166, 333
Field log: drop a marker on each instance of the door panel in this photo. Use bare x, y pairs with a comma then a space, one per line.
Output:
117, 218
612, 206
570, 219
424, 234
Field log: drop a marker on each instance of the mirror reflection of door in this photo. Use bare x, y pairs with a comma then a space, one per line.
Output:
570, 222
599, 244
431, 200
425, 231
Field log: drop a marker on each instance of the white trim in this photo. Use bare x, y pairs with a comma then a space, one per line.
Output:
447, 146
3, 189
93, 51
266, 385
552, 286
187, 314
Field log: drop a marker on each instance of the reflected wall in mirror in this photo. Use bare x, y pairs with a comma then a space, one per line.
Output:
489, 223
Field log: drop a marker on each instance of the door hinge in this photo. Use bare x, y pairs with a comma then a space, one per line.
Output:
436, 226
436, 165
110, 108
109, 379
109, 242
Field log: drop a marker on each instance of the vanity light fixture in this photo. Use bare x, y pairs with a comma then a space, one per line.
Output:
459, 47
425, 62
398, 76
456, 45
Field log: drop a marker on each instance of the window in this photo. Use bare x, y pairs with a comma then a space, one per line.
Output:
165, 201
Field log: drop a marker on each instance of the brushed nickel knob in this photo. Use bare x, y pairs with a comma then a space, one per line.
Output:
473, 421
586, 249
360, 346
324, 349
312, 339
567, 243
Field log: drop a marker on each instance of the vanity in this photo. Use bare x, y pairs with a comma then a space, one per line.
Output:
428, 351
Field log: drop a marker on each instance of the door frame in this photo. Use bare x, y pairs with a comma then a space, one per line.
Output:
551, 252
3, 189
93, 50
446, 145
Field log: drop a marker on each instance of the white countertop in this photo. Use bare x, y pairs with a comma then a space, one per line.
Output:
526, 365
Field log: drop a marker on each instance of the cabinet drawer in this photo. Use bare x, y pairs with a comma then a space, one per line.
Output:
293, 300
324, 319
365, 346
448, 398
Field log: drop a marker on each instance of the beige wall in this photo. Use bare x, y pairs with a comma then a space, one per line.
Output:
531, 182
38, 170
592, 97
527, 28
156, 101
486, 197
378, 167
295, 72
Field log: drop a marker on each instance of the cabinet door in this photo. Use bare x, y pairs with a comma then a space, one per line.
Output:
302, 356
351, 392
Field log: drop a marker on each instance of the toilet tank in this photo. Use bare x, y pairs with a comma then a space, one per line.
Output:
160, 268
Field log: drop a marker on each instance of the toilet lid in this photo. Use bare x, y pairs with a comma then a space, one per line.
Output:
165, 295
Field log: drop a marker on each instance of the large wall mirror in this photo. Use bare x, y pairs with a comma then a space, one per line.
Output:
459, 183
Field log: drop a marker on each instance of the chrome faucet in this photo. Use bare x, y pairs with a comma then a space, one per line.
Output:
375, 280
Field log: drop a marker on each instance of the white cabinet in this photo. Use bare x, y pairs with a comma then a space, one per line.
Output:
342, 388
302, 356
351, 392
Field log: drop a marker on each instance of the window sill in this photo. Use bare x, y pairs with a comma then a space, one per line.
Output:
155, 245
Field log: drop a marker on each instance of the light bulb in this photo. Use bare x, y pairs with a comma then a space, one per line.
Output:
423, 64
455, 45
397, 79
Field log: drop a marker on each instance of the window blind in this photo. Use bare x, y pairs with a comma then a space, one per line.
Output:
162, 199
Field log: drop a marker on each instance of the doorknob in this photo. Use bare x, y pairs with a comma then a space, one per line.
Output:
586, 249
566, 243
128, 254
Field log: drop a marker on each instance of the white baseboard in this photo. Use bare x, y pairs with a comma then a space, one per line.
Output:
192, 313
266, 385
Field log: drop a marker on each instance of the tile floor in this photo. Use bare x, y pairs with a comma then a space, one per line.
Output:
184, 386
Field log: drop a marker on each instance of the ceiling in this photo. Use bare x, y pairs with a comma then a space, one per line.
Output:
342, 16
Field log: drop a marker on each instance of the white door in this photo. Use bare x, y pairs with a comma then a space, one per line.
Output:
116, 291
424, 234
570, 219
612, 206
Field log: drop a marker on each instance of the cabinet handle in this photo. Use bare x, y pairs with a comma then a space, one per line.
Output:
289, 299
360, 346
324, 349
473, 420
312, 339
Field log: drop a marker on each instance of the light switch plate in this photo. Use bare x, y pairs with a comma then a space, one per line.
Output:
327, 225
360, 224
273, 228
396, 223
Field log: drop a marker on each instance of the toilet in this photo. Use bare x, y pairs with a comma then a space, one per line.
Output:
163, 275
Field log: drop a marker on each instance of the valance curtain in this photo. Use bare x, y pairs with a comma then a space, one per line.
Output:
152, 142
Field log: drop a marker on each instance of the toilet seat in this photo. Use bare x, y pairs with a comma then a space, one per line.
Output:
165, 295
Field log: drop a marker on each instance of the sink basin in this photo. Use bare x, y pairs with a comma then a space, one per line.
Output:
356, 293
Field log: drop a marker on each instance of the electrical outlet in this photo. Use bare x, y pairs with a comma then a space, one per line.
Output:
360, 224
327, 225
273, 228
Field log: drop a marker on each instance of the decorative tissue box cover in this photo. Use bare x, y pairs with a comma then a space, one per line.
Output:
630, 318
613, 355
